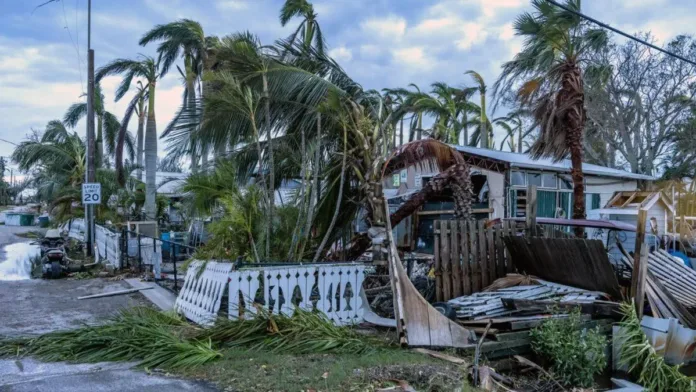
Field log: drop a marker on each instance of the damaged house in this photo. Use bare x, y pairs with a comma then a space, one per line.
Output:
500, 181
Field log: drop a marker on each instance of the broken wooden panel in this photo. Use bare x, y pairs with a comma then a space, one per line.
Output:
417, 322
574, 262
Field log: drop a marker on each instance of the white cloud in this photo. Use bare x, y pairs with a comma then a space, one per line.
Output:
471, 34
341, 53
369, 50
434, 25
232, 5
413, 56
490, 8
393, 27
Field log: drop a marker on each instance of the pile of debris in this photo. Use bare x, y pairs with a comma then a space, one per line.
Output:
505, 312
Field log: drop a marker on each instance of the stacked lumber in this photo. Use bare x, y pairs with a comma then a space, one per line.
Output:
669, 287
487, 304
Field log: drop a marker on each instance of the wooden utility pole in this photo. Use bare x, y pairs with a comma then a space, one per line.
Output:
531, 211
90, 173
640, 264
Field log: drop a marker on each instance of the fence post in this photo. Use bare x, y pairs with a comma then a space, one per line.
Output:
172, 256
640, 264
140, 255
531, 213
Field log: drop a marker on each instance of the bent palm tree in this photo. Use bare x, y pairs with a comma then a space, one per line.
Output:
185, 38
485, 128
309, 27
148, 69
550, 81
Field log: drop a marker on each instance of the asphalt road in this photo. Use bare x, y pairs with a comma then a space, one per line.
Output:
30, 307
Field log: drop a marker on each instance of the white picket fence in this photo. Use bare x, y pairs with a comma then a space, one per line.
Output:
333, 289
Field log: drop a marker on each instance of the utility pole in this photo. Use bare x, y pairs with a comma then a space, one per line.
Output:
90, 173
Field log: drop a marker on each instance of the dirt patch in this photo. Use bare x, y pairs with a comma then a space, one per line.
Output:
426, 377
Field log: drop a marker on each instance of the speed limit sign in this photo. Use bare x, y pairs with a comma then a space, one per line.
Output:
91, 193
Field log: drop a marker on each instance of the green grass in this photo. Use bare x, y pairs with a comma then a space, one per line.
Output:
241, 370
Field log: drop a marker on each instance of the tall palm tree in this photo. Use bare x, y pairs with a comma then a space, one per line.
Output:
514, 126
148, 69
141, 111
107, 127
185, 38
549, 78
485, 129
308, 29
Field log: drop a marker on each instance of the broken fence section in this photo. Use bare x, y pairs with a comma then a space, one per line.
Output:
469, 256
333, 289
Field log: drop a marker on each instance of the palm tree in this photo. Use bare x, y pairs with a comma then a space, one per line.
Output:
485, 132
107, 126
548, 71
514, 127
140, 111
186, 38
149, 70
309, 27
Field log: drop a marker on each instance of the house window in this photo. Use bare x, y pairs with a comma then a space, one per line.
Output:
548, 180
566, 182
517, 178
534, 179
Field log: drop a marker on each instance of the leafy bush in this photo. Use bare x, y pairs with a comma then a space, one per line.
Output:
576, 354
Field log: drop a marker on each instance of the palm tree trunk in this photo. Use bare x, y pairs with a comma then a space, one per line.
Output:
99, 156
315, 183
456, 177
401, 132
327, 235
484, 122
141, 127
420, 129
519, 139
190, 104
271, 168
151, 157
465, 125
300, 215
574, 122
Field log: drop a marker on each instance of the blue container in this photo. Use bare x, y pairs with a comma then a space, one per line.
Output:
165, 245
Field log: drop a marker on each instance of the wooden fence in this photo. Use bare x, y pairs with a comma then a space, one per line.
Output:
469, 256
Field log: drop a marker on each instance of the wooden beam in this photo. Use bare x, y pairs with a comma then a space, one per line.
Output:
531, 212
629, 200
640, 264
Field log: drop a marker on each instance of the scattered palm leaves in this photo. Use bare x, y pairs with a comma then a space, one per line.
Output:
304, 332
153, 338
166, 340
653, 373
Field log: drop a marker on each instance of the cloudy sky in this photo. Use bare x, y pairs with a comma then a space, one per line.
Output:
381, 43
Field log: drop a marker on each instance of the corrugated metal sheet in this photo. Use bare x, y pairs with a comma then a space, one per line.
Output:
489, 303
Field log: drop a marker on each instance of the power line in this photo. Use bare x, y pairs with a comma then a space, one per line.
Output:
617, 31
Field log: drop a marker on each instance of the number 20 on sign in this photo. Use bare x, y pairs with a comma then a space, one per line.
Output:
91, 193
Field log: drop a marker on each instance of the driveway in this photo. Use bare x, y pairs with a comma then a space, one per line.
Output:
36, 306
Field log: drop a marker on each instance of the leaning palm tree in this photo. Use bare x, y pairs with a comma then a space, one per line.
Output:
148, 69
183, 38
309, 27
485, 128
107, 126
549, 78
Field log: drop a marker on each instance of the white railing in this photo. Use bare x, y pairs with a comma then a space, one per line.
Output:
333, 289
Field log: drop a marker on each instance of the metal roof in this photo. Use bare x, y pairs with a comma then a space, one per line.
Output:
547, 164
589, 223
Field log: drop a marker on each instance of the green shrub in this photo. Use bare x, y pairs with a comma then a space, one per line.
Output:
576, 354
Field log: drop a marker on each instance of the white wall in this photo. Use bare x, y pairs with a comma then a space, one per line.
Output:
606, 186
